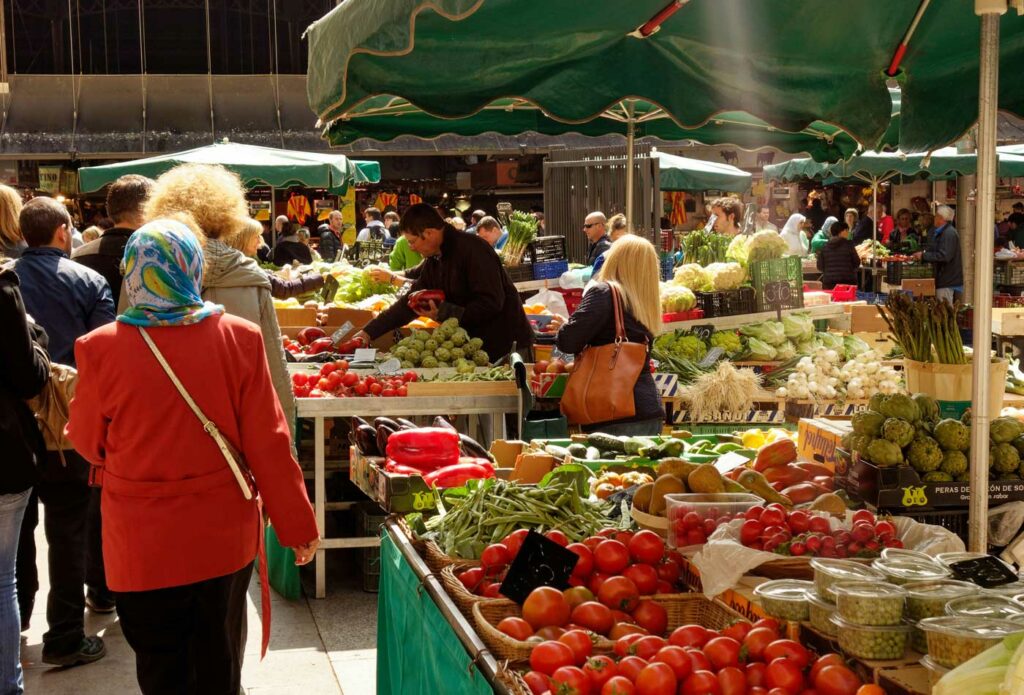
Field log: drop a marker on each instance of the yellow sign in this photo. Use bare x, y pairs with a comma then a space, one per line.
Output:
347, 205
49, 179
914, 497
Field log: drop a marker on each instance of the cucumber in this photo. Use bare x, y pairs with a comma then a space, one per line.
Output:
633, 445
606, 442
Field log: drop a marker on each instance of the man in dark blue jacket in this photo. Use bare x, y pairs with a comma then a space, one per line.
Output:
944, 253
68, 300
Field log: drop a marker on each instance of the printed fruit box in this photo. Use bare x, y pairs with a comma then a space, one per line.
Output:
901, 486
548, 384
399, 494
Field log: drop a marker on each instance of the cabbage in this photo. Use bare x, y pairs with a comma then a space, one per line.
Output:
770, 332
766, 245
854, 346
737, 251
760, 351
830, 341
786, 351
728, 341
693, 277
726, 276
798, 327
805, 347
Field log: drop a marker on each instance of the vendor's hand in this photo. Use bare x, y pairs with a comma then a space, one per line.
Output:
557, 321
363, 337
304, 554
430, 313
382, 275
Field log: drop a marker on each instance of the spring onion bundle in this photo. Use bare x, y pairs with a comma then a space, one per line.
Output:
522, 231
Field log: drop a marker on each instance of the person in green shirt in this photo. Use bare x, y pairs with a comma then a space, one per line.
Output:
402, 257
822, 236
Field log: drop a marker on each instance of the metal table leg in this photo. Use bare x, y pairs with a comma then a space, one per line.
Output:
320, 502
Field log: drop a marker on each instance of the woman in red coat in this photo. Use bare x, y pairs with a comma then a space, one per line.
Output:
179, 535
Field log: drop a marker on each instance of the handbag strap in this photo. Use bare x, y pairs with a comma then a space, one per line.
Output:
208, 425
620, 322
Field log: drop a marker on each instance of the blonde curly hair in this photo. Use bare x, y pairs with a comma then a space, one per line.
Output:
211, 194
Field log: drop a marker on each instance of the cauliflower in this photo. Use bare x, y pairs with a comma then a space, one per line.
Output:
693, 277
737, 251
726, 276
676, 298
766, 245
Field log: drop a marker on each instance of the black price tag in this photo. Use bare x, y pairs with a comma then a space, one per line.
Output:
703, 331
986, 572
540, 562
777, 294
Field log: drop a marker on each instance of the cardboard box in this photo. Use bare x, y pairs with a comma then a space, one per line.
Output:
296, 316
338, 316
864, 318
531, 468
505, 452
921, 287
818, 439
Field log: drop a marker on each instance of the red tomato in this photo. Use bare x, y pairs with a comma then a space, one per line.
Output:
618, 685
558, 537
621, 616
697, 658
690, 636
375, 389
514, 541
300, 379
620, 630
756, 641
623, 644
597, 580
516, 628
701, 683
664, 588
592, 542
545, 606
623, 537
785, 674
644, 576
471, 578
864, 515
646, 647
885, 527
837, 680
832, 659
388, 393
611, 557
328, 368
755, 673
492, 590
646, 547
732, 681
551, 632
607, 532
722, 652
788, 649
585, 563
350, 379
537, 682
402, 392
301, 391
580, 643
618, 592
570, 680
737, 630
593, 616
495, 558
600, 669
651, 616
577, 595
361, 389
656, 679
548, 657
677, 659
631, 666
410, 376
668, 571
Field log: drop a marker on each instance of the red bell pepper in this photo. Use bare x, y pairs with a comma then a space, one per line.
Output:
424, 448
457, 474
398, 469
320, 345
422, 298
309, 334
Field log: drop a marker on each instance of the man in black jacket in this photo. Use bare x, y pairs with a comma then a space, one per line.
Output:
126, 198
838, 260
478, 292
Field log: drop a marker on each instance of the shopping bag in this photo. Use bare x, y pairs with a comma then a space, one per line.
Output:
552, 301
281, 568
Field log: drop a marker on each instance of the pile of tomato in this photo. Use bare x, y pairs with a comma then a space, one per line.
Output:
742, 659
690, 527
621, 566
335, 380
796, 533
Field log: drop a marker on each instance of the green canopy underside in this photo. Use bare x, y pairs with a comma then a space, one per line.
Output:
255, 165
684, 174
773, 60
943, 163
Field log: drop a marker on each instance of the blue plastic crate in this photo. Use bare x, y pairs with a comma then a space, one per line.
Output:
549, 270
668, 264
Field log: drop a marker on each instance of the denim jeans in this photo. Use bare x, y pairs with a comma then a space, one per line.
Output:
12, 509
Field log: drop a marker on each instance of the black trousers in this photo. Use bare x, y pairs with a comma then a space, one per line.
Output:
188, 640
66, 494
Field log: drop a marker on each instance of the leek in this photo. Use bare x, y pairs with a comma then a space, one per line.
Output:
1013, 682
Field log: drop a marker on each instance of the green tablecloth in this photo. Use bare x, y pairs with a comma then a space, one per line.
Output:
417, 650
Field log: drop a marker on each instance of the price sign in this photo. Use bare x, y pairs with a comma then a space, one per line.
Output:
365, 355
985, 571
342, 332
777, 295
703, 331
714, 354
540, 562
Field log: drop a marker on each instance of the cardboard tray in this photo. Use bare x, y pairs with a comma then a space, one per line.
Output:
462, 388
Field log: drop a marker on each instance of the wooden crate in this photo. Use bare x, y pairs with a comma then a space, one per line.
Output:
462, 388
865, 318
1009, 321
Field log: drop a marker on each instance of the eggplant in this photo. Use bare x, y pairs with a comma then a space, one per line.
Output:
392, 425
383, 432
366, 441
406, 424
470, 447
356, 421
441, 422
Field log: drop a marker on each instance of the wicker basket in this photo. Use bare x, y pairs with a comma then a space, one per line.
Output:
682, 609
436, 558
793, 568
512, 680
462, 597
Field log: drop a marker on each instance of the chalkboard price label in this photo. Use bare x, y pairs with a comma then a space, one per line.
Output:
540, 562
986, 572
777, 294
703, 331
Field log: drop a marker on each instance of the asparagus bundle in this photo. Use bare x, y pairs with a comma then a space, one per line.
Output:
925, 328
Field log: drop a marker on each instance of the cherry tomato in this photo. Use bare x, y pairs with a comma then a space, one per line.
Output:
785, 674
819, 524
690, 636
656, 679
651, 616
585, 563
646, 547
328, 368
722, 652
611, 557
600, 669
677, 659
593, 616
548, 657
837, 680
546, 606
375, 389
537, 682
580, 644
350, 379
618, 592
732, 681
788, 649
570, 680
618, 685
701, 683
516, 628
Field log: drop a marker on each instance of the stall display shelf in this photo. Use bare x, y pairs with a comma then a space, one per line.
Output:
831, 311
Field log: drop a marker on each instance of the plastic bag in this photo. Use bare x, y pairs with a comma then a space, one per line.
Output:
723, 559
575, 279
552, 301
1004, 522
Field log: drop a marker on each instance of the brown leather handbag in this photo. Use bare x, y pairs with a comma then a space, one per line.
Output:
600, 388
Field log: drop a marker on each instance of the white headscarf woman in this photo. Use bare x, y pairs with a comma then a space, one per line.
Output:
794, 235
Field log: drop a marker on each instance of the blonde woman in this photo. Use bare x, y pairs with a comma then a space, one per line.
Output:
91, 233
12, 243
215, 199
631, 267
249, 240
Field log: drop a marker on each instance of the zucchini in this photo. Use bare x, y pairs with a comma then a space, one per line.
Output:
634, 445
559, 452
606, 442
578, 451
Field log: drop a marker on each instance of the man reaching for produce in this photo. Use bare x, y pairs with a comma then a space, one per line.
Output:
477, 290
944, 252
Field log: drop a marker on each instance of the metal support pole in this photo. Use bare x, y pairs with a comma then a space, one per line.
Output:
630, 164
965, 212
988, 99
874, 209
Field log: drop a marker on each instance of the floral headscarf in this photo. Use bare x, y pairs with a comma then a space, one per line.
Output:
163, 276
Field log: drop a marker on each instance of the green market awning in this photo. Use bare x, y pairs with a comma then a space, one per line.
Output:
684, 174
256, 166
573, 61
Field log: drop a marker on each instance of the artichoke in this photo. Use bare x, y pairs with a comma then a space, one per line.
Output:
1008, 476
1003, 458
431, 345
965, 417
442, 355
875, 402
884, 453
1018, 444
936, 477
902, 406
899, 432
953, 435
1005, 430
953, 462
964, 477
860, 443
868, 423
927, 405
924, 454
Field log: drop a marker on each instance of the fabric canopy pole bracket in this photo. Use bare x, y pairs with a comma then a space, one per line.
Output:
652, 25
